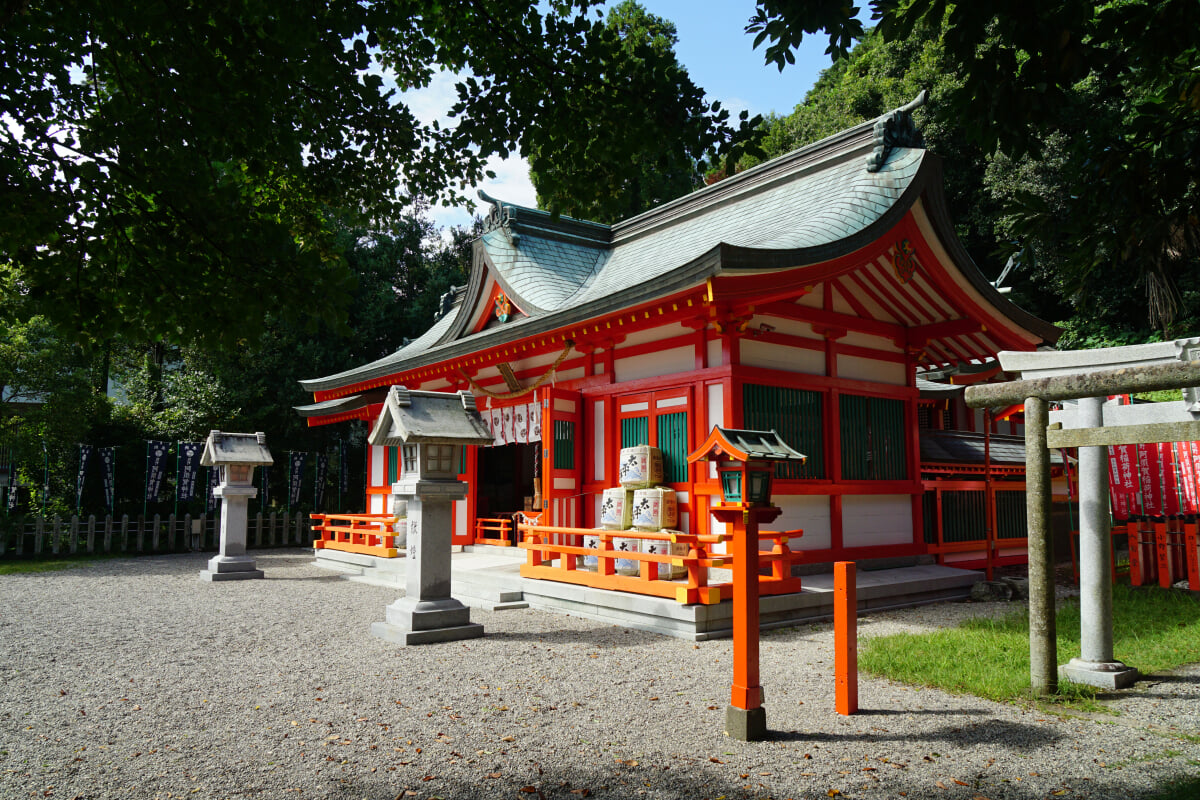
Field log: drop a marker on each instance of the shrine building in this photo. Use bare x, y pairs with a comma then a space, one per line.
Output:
805, 295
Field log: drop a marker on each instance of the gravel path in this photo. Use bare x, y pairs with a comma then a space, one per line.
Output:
134, 679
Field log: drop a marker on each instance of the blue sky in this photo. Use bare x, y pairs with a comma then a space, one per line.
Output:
719, 57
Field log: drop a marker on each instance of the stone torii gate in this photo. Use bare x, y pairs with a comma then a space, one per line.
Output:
1039, 440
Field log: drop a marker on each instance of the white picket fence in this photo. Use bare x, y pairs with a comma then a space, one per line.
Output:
39, 536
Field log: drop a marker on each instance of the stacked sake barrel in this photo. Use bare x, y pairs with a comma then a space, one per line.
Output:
639, 505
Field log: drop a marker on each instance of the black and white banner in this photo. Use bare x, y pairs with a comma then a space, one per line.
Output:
108, 458
214, 480
85, 454
187, 459
156, 465
296, 476
343, 473
319, 488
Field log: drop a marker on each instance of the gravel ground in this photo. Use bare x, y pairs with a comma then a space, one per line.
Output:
134, 679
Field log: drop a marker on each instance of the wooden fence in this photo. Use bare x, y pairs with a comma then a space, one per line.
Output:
55, 536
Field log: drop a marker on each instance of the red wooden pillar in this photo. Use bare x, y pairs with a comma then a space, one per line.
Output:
845, 637
745, 718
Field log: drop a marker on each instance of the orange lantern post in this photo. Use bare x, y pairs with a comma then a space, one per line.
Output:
745, 467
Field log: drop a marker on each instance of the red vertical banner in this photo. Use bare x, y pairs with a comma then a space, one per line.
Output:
1116, 493
1148, 475
1189, 502
1170, 486
1127, 459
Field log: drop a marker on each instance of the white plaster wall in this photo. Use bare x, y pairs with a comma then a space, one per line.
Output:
653, 334
460, 518
788, 359
814, 299
873, 520
376, 504
716, 416
809, 512
866, 369
652, 365
873, 342
598, 440
791, 327
714, 352
376, 465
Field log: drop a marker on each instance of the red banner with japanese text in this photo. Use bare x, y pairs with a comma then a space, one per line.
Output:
1187, 477
1116, 492
1149, 477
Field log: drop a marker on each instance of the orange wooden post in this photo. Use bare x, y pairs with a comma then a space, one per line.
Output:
1164, 557
1134, 538
745, 718
845, 636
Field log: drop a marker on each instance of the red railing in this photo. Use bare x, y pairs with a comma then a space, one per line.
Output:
494, 531
1163, 552
546, 560
369, 534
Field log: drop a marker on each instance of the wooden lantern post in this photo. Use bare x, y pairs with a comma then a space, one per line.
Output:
745, 466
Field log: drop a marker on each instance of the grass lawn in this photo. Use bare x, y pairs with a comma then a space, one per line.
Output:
51, 564
1153, 630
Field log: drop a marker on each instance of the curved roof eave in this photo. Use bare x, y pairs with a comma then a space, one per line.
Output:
939, 217
721, 259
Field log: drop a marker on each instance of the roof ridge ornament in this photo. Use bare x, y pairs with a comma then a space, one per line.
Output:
896, 129
499, 217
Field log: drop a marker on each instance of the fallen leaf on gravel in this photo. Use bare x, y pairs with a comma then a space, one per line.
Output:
581, 792
940, 785
493, 775
833, 793
961, 783
528, 789
628, 763
712, 708
716, 760
429, 777
508, 739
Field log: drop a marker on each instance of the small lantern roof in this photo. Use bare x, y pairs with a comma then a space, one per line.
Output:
743, 445
411, 416
223, 449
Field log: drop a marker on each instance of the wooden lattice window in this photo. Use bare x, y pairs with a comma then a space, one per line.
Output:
874, 441
797, 415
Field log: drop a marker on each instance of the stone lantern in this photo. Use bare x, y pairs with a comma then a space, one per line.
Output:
431, 429
745, 465
236, 455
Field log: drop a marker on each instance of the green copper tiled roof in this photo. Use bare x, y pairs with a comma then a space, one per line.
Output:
540, 272
809, 206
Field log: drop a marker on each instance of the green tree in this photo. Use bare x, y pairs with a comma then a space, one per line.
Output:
1026, 74
168, 172
580, 171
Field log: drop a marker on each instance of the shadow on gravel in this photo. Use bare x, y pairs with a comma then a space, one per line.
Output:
1168, 677
1014, 734
606, 637
892, 712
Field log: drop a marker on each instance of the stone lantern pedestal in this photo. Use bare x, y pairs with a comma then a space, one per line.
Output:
431, 429
236, 454
427, 613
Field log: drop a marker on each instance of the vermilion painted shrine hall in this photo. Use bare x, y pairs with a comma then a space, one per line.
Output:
812, 294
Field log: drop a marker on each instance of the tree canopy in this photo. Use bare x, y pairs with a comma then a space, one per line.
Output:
579, 170
1108, 91
177, 172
